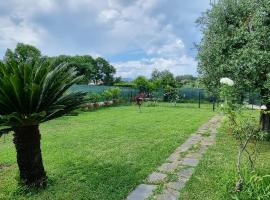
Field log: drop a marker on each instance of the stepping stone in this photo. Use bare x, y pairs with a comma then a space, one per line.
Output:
156, 177
202, 150
168, 167
185, 174
193, 139
184, 147
141, 192
190, 162
200, 131
173, 157
190, 142
168, 194
207, 142
177, 185
194, 155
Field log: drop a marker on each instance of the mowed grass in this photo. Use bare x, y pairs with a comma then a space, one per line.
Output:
102, 154
215, 176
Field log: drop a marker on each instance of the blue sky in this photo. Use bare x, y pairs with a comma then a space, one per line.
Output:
136, 36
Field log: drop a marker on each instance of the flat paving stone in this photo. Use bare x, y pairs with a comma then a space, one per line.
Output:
177, 185
185, 174
207, 142
156, 177
184, 147
202, 150
168, 167
168, 194
194, 155
173, 157
190, 162
193, 140
141, 192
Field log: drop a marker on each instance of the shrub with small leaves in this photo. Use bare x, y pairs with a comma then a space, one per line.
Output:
93, 97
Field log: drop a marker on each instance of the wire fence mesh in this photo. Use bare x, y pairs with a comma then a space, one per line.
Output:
192, 95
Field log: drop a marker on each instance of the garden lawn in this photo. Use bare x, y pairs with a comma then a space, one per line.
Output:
102, 154
215, 176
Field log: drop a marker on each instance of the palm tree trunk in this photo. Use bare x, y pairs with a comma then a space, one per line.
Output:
29, 159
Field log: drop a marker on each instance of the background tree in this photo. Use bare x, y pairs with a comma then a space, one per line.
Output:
107, 71
163, 79
141, 83
97, 71
236, 44
83, 64
186, 81
22, 53
33, 92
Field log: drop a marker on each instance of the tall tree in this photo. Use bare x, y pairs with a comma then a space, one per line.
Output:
107, 71
186, 81
163, 79
98, 70
236, 44
83, 64
22, 53
142, 83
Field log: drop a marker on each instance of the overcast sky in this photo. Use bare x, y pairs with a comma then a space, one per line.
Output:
134, 35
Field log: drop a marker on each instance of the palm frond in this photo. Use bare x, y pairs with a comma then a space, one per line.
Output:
35, 92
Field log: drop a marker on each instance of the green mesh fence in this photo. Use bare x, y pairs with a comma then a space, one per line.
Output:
194, 94
126, 93
186, 94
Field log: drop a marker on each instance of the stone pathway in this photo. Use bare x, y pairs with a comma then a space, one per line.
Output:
167, 181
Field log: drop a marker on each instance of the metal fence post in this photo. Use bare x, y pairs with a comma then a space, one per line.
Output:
199, 98
214, 103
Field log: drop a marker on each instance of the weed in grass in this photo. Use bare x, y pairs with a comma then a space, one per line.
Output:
257, 186
195, 147
172, 177
157, 191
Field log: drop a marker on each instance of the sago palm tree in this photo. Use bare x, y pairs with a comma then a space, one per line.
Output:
32, 93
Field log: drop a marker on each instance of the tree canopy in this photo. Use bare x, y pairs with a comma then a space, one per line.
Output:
235, 44
22, 53
163, 79
97, 71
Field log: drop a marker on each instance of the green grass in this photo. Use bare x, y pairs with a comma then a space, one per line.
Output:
215, 176
103, 154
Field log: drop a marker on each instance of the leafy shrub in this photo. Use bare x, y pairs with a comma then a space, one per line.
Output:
112, 93
93, 97
115, 92
244, 128
171, 95
256, 188
107, 95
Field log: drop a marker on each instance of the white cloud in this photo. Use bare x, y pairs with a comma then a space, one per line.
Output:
152, 33
12, 32
180, 65
108, 15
